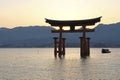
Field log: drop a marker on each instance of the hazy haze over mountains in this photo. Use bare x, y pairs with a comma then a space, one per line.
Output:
41, 36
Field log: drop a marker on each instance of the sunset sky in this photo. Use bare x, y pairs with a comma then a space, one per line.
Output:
33, 12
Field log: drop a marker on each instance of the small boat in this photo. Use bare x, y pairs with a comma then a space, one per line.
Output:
106, 51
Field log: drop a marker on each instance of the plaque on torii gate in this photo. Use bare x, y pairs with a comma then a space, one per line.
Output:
60, 42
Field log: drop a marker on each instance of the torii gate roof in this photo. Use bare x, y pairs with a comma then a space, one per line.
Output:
87, 22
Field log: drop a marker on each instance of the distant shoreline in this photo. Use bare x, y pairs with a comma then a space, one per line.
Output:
53, 47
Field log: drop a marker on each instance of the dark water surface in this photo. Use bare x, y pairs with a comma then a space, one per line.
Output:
40, 64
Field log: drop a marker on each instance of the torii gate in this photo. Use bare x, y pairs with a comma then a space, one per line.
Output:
59, 43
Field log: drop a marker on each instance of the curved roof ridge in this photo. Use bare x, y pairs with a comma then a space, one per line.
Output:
73, 22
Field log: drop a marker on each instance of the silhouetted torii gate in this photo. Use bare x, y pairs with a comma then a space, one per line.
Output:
59, 43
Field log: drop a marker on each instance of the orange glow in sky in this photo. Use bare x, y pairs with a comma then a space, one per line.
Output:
33, 12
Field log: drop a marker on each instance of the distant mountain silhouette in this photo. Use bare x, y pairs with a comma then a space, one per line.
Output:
31, 36
106, 35
41, 36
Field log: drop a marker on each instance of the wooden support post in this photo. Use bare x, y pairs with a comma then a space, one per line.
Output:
63, 46
88, 46
60, 42
85, 47
83, 42
55, 46
82, 47
72, 28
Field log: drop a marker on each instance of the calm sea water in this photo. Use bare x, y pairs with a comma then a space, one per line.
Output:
40, 64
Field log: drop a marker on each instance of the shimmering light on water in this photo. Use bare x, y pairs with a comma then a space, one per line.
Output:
40, 64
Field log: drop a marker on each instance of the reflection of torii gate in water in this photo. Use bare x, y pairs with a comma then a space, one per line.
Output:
59, 43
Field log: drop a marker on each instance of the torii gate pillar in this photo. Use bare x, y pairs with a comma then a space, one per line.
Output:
84, 47
59, 47
85, 44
